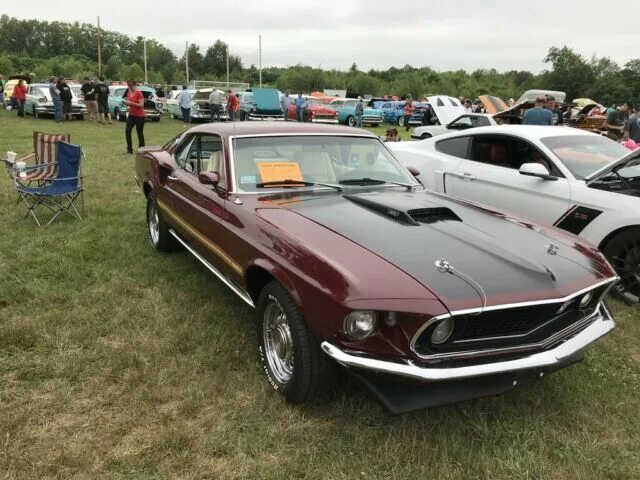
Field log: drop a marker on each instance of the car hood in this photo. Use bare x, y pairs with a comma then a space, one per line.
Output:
618, 164
493, 104
495, 261
446, 108
266, 98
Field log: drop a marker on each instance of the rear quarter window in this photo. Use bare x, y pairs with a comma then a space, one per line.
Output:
456, 147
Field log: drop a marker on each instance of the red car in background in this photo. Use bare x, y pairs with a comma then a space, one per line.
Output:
315, 112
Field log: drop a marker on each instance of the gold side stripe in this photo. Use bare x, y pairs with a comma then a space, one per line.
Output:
200, 237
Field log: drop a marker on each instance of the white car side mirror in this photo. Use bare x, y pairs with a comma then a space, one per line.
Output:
536, 170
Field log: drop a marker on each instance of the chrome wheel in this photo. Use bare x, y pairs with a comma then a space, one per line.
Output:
626, 261
278, 343
154, 223
401, 121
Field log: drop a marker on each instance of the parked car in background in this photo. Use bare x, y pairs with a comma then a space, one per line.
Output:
526, 101
200, 107
314, 112
39, 101
577, 181
346, 108
463, 122
260, 104
152, 106
348, 260
393, 112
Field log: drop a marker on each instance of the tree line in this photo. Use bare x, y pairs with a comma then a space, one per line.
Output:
58, 48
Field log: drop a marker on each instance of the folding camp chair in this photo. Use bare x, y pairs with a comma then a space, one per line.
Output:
44, 153
58, 194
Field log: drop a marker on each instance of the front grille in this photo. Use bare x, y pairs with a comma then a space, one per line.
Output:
510, 328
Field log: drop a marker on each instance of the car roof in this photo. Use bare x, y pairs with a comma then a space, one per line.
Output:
529, 132
231, 129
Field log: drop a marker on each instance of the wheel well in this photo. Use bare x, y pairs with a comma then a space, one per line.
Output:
256, 278
146, 188
608, 238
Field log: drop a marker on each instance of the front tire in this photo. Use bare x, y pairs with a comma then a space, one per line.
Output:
623, 252
424, 136
351, 121
157, 228
290, 353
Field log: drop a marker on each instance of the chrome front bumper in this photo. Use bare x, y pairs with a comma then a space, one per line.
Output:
602, 325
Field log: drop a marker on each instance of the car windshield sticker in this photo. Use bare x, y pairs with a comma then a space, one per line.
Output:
248, 179
279, 171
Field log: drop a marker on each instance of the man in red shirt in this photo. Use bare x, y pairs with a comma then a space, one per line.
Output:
135, 102
232, 105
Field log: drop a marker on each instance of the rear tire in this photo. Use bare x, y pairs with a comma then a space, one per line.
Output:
157, 228
623, 252
290, 353
424, 136
351, 121
401, 121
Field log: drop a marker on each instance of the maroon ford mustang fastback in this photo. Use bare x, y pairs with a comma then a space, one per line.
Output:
349, 261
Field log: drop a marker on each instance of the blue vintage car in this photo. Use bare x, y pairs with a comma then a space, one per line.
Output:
346, 108
394, 113
152, 107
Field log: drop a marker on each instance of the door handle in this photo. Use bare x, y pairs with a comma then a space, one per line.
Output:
467, 175
171, 177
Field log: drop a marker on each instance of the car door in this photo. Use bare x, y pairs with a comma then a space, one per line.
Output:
489, 174
200, 209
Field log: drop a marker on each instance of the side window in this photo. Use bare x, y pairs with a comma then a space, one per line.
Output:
482, 122
462, 123
187, 153
456, 147
508, 152
211, 157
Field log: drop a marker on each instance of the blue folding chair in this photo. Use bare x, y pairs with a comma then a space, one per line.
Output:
58, 194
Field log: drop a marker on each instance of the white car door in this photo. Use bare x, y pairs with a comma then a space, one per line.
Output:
489, 175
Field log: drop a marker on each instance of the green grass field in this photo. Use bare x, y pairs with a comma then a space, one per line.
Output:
118, 362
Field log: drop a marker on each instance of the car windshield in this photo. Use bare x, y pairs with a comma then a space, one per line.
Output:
313, 102
584, 154
262, 162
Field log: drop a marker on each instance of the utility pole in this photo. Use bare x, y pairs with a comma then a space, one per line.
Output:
227, 65
186, 62
146, 79
99, 53
260, 59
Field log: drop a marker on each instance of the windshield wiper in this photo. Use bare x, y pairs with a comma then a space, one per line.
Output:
374, 181
289, 182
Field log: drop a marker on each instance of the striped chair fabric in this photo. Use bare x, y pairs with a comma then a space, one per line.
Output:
45, 147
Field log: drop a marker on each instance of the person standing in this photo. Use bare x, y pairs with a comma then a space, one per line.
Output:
285, 103
615, 121
558, 118
3, 85
102, 95
359, 112
54, 93
88, 90
135, 102
538, 115
408, 112
20, 94
184, 102
232, 105
632, 126
300, 103
66, 97
215, 103
468, 106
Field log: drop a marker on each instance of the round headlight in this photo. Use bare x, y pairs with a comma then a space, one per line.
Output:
360, 324
443, 331
586, 300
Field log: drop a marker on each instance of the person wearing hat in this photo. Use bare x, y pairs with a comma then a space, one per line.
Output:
88, 90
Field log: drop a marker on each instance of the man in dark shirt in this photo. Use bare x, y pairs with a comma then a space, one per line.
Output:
558, 118
66, 96
102, 94
632, 127
538, 115
615, 121
88, 89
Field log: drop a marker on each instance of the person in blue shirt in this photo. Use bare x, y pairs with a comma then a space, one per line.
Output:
285, 103
538, 115
184, 101
55, 97
300, 104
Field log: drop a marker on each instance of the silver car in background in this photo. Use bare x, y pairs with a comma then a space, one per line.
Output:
39, 101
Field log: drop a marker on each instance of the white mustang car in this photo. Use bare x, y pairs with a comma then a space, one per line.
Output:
577, 181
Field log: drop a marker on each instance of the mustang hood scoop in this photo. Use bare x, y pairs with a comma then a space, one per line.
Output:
414, 216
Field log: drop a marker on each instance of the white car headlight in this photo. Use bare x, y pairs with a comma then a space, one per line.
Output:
443, 331
586, 300
360, 324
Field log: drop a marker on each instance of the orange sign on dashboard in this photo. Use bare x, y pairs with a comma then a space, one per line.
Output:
279, 171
